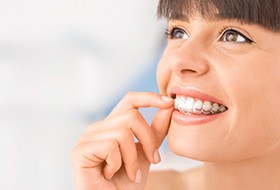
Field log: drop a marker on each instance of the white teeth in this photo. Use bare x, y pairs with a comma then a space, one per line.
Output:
215, 108
197, 106
222, 108
181, 105
206, 109
190, 105
176, 103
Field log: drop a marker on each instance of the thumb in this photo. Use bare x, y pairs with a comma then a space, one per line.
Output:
160, 124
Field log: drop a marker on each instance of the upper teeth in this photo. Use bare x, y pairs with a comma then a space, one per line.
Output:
191, 105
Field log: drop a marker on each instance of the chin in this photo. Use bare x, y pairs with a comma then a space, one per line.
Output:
202, 144
205, 142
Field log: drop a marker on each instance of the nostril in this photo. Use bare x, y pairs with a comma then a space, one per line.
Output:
188, 71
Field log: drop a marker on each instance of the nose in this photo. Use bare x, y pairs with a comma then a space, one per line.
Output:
190, 60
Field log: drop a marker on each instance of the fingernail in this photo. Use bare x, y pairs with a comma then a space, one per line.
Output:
157, 158
166, 99
138, 177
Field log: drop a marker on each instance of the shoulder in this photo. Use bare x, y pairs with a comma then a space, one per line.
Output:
168, 180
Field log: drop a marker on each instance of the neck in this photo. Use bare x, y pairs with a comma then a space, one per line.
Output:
252, 174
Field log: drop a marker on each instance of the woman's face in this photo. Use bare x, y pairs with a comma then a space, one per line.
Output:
233, 67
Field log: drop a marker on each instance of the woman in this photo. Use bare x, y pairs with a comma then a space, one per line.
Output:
219, 80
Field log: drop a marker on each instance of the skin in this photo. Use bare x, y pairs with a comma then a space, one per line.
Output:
106, 156
245, 140
240, 149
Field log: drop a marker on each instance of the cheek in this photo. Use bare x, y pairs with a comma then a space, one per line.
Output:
255, 93
254, 89
252, 125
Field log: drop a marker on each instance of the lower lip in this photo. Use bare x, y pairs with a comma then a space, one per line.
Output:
192, 119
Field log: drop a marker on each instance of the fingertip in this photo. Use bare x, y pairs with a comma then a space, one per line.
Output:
108, 176
165, 102
109, 171
157, 158
166, 99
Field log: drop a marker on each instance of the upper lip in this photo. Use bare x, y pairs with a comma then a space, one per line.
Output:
194, 93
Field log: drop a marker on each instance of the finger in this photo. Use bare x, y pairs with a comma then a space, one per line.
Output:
125, 139
134, 121
135, 100
160, 124
111, 166
93, 155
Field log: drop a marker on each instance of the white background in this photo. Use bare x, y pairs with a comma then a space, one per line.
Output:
62, 64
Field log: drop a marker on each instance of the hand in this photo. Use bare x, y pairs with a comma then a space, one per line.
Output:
107, 157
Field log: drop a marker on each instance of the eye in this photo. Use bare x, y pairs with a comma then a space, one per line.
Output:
176, 33
231, 35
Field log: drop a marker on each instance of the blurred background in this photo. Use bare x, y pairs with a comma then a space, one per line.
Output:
63, 65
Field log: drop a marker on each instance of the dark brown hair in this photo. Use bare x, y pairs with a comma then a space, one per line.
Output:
262, 12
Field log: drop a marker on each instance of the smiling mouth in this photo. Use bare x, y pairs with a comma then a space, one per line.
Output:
190, 105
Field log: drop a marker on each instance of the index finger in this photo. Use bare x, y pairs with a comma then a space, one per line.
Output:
136, 100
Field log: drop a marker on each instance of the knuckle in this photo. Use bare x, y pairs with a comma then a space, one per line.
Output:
133, 114
112, 145
129, 95
125, 133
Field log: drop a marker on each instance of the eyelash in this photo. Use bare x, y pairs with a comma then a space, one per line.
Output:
227, 29
169, 33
